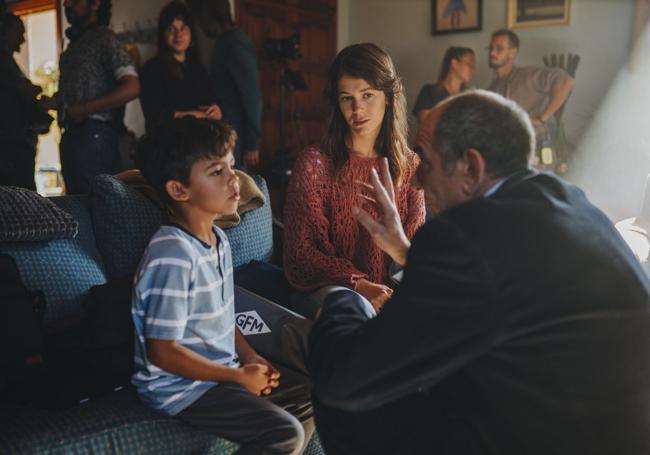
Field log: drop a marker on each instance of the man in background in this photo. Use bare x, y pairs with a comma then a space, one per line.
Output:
540, 91
97, 79
233, 68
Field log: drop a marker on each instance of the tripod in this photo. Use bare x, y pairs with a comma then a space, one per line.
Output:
289, 81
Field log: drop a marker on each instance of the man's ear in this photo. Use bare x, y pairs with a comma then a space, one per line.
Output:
177, 191
473, 171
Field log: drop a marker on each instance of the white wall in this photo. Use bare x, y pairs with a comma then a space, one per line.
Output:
613, 161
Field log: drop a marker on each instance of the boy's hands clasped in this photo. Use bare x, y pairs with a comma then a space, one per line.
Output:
258, 375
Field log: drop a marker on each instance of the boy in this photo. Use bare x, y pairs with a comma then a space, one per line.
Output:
191, 360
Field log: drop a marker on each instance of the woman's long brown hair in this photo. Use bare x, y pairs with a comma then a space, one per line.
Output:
369, 62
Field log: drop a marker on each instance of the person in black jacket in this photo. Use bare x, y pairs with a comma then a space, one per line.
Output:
522, 325
174, 82
23, 115
234, 73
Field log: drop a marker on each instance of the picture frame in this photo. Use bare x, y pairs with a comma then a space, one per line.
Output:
538, 13
456, 16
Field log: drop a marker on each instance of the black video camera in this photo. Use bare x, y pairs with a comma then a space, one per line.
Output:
283, 48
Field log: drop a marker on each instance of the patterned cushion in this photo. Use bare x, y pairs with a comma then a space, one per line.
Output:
252, 238
27, 216
63, 269
124, 220
118, 423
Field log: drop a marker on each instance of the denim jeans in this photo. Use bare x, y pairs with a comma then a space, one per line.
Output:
87, 150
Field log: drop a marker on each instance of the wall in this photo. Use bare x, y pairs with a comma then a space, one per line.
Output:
403, 28
613, 161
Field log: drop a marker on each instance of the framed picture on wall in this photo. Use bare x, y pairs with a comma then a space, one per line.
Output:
454, 16
538, 13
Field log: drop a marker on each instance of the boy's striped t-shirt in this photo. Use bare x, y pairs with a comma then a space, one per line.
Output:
183, 291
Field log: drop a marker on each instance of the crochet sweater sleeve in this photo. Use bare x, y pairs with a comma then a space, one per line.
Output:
310, 259
414, 200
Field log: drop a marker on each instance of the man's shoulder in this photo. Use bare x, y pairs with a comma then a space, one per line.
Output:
527, 198
105, 32
531, 71
241, 37
100, 34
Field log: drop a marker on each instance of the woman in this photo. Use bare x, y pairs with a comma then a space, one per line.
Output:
174, 83
324, 245
458, 67
22, 116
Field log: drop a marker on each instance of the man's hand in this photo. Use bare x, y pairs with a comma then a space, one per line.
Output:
537, 122
387, 232
212, 112
377, 294
255, 377
252, 158
77, 112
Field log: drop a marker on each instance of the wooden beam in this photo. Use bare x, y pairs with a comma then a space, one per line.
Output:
23, 7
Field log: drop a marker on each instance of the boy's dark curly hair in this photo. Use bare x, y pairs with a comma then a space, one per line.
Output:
169, 151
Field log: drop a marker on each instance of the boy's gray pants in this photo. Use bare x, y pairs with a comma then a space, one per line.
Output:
279, 423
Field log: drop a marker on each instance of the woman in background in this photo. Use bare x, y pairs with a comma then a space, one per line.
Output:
174, 83
325, 248
458, 68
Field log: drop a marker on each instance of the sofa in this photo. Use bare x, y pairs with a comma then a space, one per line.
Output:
115, 223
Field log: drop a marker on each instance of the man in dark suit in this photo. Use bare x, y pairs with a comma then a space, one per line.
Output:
522, 324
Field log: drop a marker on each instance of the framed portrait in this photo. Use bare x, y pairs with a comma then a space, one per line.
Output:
454, 16
538, 13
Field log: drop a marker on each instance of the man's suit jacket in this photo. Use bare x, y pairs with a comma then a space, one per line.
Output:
526, 315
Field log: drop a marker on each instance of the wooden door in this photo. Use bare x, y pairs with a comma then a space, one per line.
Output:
315, 20
23, 7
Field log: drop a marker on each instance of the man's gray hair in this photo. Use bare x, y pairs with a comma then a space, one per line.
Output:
497, 127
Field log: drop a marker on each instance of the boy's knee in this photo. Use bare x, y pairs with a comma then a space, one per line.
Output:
287, 437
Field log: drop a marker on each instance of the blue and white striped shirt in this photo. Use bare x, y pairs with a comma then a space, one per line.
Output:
183, 291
